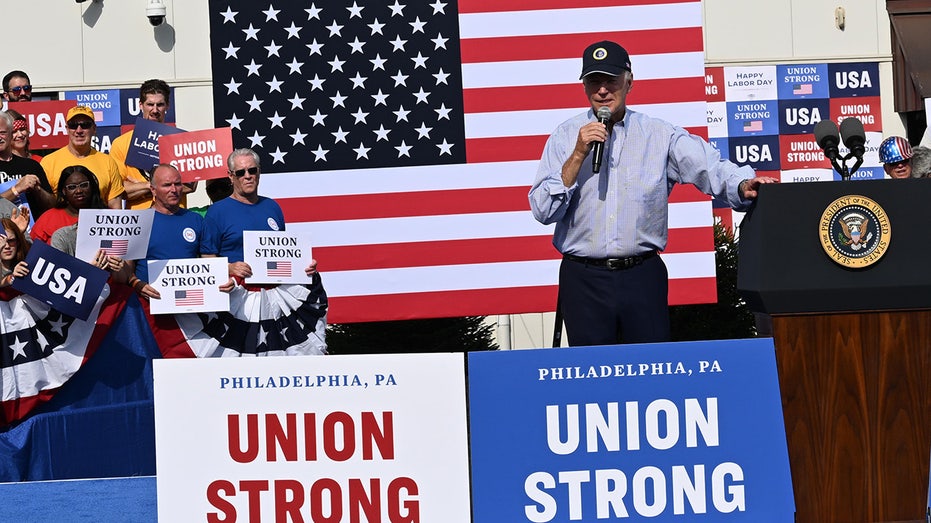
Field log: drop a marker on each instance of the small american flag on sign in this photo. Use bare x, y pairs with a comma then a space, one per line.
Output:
114, 247
753, 126
801, 89
189, 297
278, 268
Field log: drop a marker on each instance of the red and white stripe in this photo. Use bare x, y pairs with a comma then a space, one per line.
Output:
434, 241
26, 385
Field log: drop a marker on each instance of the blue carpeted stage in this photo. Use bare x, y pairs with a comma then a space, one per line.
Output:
97, 500
99, 425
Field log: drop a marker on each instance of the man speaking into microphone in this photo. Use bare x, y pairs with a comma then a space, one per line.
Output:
605, 183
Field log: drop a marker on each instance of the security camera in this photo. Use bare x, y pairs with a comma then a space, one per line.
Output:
155, 12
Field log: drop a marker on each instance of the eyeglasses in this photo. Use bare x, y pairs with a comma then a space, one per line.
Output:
20, 88
76, 186
900, 162
83, 125
239, 173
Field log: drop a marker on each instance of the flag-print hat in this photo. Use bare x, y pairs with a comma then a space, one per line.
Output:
894, 149
605, 57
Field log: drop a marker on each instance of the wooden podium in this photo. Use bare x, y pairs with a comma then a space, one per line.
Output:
853, 348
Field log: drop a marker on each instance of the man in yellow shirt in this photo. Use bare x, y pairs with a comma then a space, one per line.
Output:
79, 151
154, 100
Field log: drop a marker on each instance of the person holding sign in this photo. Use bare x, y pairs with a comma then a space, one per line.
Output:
154, 100
176, 231
244, 210
77, 189
65, 240
79, 151
13, 250
22, 180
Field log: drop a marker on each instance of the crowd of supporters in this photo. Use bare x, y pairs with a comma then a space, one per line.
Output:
41, 196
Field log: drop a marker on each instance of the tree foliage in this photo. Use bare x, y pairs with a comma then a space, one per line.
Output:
464, 334
729, 318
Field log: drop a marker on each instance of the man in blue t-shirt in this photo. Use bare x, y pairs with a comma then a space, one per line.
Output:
176, 232
244, 210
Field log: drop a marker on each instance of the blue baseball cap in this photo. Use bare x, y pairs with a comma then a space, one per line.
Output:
605, 57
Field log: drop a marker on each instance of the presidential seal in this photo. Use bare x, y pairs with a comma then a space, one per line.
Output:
855, 231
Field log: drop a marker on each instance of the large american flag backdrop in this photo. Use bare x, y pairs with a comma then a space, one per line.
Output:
404, 137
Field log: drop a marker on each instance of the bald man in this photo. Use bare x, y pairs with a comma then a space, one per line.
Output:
176, 231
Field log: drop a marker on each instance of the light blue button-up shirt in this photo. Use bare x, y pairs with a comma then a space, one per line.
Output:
623, 210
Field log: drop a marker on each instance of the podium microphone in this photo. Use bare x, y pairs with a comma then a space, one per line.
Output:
604, 116
827, 138
851, 129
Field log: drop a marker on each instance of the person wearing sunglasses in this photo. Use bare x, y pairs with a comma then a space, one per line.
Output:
895, 153
77, 189
17, 87
80, 151
244, 210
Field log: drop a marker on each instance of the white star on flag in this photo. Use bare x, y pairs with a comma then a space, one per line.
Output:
404, 137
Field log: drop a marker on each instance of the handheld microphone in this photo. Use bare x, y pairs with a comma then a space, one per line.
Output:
598, 150
827, 138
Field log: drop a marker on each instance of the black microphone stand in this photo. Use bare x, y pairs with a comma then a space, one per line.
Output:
841, 167
851, 130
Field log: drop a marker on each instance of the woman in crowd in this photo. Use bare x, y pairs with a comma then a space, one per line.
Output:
58, 227
20, 137
77, 189
13, 249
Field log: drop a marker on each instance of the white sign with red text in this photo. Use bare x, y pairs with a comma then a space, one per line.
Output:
376, 438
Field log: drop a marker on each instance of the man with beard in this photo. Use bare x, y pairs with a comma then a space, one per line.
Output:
154, 101
17, 87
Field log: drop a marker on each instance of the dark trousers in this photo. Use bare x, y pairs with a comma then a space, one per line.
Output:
601, 306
